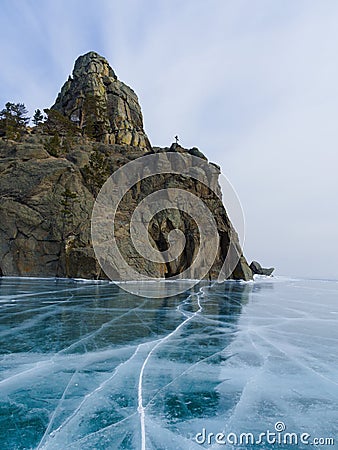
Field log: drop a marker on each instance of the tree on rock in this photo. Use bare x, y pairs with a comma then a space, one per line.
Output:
13, 120
58, 123
93, 117
53, 145
96, 172
38, 117
62, 130
67, 202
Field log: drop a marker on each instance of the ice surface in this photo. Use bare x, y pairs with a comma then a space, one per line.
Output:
89, 366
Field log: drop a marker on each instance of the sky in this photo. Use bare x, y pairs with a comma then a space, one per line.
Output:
252, 83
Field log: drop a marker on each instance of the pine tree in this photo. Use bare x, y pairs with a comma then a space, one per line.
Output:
53, 145
38, 117
96, 172
13, 120
58, 123
62, 128
67, 203
93, 113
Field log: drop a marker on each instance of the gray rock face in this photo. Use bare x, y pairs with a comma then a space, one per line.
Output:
94, 85
257, 269
35, 229
46, 202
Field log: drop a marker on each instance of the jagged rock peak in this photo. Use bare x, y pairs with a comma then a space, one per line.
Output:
92, 62
94, 97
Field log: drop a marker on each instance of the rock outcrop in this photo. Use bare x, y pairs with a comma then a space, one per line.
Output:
257, 269
46, 201
95, 89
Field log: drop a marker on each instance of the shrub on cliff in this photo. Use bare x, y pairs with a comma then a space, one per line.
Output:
96, 172
53, 145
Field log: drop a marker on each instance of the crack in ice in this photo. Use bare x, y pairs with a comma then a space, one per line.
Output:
141, 408
185, 372
100, 387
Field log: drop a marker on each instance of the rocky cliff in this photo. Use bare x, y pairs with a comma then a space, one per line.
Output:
47, 196
94, 86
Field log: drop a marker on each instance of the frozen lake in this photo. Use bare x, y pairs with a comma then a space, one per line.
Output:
90, 366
